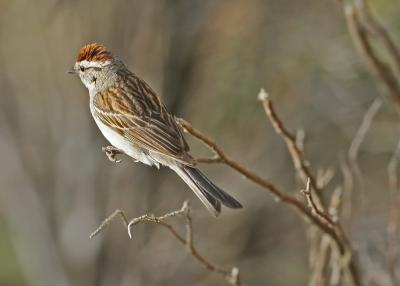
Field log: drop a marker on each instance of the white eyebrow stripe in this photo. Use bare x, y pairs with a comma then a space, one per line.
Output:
93, 64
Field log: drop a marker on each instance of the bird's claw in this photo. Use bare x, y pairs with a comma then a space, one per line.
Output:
111, 152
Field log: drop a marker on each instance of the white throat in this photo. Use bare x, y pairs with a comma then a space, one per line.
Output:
90, 85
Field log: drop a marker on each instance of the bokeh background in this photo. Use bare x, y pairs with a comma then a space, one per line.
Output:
207, 60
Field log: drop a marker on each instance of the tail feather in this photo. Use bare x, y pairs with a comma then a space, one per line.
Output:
210, 195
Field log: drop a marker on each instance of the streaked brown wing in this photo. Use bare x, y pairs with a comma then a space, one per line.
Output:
142, 121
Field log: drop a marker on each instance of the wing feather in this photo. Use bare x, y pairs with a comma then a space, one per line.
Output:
141, 118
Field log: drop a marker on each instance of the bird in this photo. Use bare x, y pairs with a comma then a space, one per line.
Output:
135, 121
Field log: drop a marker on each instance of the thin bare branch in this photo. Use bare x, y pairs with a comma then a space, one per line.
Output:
210, 160
392, 169
378, 30
313, 207
324, 177
335, 203
317, 277
232, 276
300, 138
393, 225
296, 153
155, 219
380, 69
360, 137
336, 269
348, 188
108, 220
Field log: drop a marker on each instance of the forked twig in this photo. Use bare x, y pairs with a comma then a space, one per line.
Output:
154, 219
232, 277
108, 220
312, 205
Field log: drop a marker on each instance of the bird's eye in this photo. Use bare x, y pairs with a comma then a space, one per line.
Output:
82, 69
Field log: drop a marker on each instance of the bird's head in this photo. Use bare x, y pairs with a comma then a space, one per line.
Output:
95, 66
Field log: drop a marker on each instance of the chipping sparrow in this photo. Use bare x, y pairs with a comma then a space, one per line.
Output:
135, 121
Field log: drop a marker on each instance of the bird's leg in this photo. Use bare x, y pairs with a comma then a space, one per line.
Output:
111, 152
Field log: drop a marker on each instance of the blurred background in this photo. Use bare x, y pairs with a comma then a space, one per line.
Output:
207, 60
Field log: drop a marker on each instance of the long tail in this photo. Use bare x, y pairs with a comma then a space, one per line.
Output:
209, 194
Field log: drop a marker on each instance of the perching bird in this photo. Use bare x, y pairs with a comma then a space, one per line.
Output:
135, 121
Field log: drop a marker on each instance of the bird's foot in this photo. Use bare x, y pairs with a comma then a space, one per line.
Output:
111, 152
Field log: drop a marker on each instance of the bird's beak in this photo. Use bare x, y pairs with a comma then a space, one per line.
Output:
72, 71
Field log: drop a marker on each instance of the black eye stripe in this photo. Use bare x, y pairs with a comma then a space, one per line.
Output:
88, 68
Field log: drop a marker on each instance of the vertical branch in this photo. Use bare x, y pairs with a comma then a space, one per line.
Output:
380, 69
392, 170
393, 231
360, 137
348, 188
375, 28
295, 152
